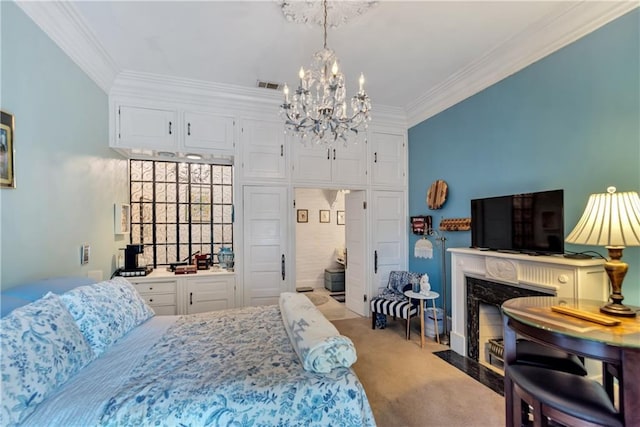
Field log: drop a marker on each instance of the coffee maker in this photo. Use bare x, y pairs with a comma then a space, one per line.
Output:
134, 264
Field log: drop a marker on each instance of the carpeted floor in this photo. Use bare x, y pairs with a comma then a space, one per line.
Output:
409, 386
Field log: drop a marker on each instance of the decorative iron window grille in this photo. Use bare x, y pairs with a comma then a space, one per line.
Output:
178, 209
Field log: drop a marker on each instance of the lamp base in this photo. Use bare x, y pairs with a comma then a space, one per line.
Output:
616, 309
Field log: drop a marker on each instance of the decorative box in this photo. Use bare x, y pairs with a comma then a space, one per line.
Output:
334, 279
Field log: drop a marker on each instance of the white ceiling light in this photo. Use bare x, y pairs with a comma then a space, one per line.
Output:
317, 110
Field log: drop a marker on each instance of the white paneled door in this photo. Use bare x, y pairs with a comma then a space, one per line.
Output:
389, 227
355, 242
266, 263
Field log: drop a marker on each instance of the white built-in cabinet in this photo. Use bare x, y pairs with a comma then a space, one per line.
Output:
330, 165
266, 233
209, 293
153, 115
388, 158
146, 127
170, 294
208, 131
263, 150
154, 128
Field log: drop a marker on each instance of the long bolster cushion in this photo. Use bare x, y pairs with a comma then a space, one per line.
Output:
317, 342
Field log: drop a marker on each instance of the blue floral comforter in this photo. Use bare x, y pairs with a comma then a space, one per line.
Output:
234, 368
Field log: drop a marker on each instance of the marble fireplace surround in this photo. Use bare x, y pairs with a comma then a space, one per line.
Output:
507, 275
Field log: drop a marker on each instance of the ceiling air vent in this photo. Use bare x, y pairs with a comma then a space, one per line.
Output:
269, 85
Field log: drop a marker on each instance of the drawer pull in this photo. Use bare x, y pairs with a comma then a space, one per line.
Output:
150, 288
150, 299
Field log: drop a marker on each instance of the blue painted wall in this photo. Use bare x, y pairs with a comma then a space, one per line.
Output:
67, 178
569, 121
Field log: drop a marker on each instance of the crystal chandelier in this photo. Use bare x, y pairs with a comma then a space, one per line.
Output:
317, 110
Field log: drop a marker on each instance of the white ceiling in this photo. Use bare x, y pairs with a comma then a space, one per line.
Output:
413, 53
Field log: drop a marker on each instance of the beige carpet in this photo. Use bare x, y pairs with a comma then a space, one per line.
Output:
409, 386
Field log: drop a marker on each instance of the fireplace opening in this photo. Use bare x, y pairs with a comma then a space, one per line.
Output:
484, 320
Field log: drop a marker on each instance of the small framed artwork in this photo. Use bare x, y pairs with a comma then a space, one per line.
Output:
85, 250
303, 215
325, 216
7, 172
122, 217
340, 217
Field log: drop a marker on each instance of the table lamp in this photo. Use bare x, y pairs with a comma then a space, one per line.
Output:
611, 220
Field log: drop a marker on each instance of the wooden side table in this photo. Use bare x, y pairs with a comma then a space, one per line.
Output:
431, 295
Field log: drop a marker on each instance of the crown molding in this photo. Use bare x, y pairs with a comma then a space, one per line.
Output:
192, 92
62, 23
66, 27
534, 43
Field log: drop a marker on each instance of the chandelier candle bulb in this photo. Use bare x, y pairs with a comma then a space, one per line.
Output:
361, 81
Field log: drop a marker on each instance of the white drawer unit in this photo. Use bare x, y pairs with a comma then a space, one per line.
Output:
161, 295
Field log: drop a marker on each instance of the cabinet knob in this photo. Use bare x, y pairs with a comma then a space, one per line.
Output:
150, 288
150, 299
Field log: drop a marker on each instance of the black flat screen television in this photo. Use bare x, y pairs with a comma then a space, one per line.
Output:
528, 223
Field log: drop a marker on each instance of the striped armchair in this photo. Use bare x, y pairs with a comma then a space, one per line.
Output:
392, 302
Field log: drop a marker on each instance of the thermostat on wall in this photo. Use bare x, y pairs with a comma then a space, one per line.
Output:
84, 254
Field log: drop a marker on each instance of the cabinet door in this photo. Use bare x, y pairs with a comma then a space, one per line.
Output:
388, 157
209, 293
207, 131
349, 163
141, 127
389, 239
264, 154
265, 244
311, 163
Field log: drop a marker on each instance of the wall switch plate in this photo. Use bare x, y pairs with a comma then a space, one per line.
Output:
84, 254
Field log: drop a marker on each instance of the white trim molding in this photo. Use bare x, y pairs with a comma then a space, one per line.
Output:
62, 23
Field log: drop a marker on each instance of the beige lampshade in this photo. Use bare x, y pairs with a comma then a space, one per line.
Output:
610, 219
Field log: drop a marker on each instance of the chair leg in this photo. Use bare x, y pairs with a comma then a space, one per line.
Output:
408, 328
373, 320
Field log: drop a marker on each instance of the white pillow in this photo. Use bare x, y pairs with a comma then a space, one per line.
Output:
106, 311
41, 348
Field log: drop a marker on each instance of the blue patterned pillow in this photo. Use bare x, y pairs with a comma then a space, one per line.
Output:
41, 348
106, 311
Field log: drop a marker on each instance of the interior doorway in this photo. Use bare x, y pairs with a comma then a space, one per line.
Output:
325, 219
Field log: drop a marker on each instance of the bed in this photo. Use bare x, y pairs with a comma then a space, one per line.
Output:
250, 366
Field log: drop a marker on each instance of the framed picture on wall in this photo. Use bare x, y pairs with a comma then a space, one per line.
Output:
303, 215
122, 213
340, 217
7, 173
325, 216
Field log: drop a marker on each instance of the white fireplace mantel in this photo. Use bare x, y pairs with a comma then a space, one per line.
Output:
556, 275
